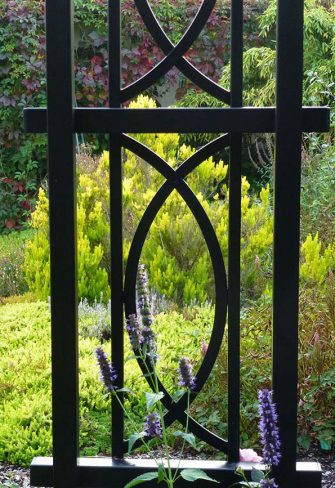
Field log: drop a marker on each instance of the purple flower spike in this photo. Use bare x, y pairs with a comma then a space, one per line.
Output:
268, 427
143, 296
187, 378
268, 483
107, 372
152, 426
135, 333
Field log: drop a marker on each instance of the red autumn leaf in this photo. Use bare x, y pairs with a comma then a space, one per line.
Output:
10, 223
7, 180
19, 187
26, 205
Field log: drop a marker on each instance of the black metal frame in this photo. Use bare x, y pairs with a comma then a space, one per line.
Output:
62, 120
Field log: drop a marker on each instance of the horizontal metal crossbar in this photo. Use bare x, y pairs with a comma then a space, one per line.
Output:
103, 471
183, 120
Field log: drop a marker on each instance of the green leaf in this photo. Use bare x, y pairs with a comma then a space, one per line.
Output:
325, 445
142, 478
304, 441
133, 438
188, 437
257, 475
152, 399
161, 473
130, 358
125, 390
177, 395
195, 474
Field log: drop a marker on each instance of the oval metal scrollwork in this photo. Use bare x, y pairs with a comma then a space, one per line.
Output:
175, 179
174, 54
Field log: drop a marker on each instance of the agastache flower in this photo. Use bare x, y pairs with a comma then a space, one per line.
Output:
143, 300
107, 372
187, 379
144, 308
268, 427
135, 332
268, 483
152, 425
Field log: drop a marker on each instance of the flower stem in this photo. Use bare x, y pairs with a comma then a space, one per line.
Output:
114, 393
186, 431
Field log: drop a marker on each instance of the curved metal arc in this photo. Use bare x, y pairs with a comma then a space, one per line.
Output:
216, 258
176, 409
144, 152
201, 155
187, 68
186, 167
197, 429
172, 57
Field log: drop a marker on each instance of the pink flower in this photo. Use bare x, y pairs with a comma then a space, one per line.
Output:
249, 456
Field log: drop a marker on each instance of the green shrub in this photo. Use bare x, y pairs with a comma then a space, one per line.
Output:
318, 195
25, 393
316, 265
12, 281
175, 252
91, 231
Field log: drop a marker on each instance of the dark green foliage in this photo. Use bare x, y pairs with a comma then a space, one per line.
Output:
22, 83
318, 192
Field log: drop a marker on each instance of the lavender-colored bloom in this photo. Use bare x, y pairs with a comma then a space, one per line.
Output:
149, 340
143, 300
152, 425
107, 372
187, 378
268, 427
144, 309
268, 483
135, 332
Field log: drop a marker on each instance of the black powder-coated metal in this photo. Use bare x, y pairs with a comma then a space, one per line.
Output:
184, 120
286, 229
234, 251
173, 56
182, 64
175, 179
62, 120
98, 472
116, 227
62, 193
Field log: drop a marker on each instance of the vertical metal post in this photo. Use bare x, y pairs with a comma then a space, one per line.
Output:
286, 229
114, 15
62, 193
234, 237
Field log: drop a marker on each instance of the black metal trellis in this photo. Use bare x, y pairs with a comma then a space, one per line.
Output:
62, 120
